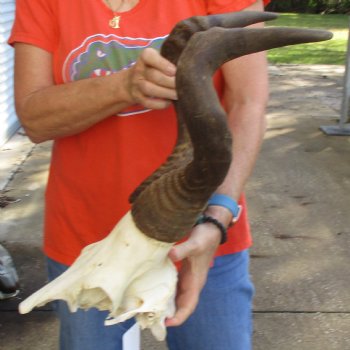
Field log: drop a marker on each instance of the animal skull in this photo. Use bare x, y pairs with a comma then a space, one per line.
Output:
127, 273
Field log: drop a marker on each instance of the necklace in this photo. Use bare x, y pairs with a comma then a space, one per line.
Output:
114, 22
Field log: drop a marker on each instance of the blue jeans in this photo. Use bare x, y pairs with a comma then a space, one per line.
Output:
221, 321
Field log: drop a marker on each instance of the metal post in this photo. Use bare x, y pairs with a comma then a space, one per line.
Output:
343, 127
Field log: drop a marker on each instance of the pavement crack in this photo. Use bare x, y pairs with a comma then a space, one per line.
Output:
18, 167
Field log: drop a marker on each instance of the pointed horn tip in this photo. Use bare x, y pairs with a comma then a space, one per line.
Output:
259, 16
270, 15
314, 35
302, 35
325, 34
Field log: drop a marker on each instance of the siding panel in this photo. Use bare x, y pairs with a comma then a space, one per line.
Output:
8, 119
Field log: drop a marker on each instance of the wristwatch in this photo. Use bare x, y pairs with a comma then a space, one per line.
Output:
227, 202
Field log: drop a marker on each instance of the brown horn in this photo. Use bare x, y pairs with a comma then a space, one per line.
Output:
168, 207
172, 49
182, 32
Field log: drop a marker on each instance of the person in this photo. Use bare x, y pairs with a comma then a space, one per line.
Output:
88, 75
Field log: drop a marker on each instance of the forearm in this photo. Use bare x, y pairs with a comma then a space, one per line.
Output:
247, 126
48, 111
246, 97
62, 110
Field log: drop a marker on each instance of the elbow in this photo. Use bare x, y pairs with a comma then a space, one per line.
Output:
249, 119
35, 138
33, 134
32, 131
31, 123
251, 108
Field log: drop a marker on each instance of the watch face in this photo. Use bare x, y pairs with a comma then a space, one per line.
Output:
236, 218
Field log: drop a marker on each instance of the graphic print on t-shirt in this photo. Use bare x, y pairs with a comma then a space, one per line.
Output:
101, 55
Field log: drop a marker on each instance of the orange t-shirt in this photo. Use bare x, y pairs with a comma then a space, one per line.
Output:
93, 173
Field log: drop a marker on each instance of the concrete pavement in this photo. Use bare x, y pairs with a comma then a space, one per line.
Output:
299, 207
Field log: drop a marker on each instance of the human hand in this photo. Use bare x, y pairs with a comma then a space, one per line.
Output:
151, 80
196, 255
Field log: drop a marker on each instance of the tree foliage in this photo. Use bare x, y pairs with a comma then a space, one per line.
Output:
310, 6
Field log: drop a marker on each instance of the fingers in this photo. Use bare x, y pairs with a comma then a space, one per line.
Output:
152, 58
186, 304
197, 255
148, 88
152, 80
192, 278
156, 77
182, 251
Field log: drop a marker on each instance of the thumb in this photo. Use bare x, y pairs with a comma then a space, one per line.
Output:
181, 251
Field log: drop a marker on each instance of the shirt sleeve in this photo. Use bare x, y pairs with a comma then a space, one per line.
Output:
35, 24
222, 6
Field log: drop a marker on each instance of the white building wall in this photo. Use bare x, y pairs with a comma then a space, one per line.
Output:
8, 119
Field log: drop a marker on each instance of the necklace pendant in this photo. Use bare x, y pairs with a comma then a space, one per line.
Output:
114, 22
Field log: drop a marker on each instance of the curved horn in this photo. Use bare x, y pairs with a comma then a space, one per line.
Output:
168, 207
183, 31
171, 50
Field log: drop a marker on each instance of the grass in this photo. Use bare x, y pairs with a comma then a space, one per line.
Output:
327, 52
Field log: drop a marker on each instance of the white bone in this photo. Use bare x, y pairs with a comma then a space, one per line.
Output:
127, 273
